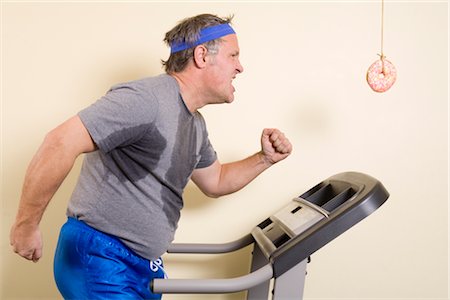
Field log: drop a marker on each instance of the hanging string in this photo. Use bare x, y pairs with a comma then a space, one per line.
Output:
382, 74
382, 36
382, 25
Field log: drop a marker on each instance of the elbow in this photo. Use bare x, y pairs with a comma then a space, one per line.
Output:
57, 144
217, 193
212, 194
53, 140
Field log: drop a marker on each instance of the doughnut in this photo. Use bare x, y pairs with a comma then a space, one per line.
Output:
381, 75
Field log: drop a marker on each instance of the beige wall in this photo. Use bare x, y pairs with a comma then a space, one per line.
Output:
305, 67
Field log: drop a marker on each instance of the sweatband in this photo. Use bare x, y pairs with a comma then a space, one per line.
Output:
206, 34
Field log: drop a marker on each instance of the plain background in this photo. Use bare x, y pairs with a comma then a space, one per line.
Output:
305, 66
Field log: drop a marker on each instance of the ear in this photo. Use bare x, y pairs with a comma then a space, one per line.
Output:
200, 53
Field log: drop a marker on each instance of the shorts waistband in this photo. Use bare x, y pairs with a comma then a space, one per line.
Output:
73, 222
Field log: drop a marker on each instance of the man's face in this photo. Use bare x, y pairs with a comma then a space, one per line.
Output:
222, 69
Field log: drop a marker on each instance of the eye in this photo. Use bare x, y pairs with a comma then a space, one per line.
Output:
235, 55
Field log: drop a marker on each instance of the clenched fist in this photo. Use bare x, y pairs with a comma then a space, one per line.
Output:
275, 146
26, 241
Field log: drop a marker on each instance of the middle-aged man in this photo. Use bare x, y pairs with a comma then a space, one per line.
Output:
144, 140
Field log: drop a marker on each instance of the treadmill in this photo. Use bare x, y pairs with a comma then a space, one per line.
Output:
284, 242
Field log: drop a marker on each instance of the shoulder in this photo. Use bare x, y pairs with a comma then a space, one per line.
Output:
150, 86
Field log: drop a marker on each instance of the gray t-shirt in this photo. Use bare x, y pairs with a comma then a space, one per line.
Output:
148, 145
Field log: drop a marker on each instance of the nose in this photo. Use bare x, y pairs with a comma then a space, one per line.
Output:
239, 67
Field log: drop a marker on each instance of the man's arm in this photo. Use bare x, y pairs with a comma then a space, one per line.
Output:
222, 179
47, 170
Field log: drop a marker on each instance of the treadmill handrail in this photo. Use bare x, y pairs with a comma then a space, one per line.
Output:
194, 248
212, 286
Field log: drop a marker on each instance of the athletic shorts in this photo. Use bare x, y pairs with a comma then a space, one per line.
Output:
92, 265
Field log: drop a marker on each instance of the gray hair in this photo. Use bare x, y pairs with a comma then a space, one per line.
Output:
188, 31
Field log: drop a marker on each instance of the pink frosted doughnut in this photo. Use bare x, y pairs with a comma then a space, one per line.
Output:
381, 75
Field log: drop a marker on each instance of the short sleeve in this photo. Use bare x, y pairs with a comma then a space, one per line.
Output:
207, 153
121, 117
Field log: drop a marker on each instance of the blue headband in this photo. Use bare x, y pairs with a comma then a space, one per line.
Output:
206, 34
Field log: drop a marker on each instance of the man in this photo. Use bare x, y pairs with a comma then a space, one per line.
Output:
143, 141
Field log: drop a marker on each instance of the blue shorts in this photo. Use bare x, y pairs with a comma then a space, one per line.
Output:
90, 264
